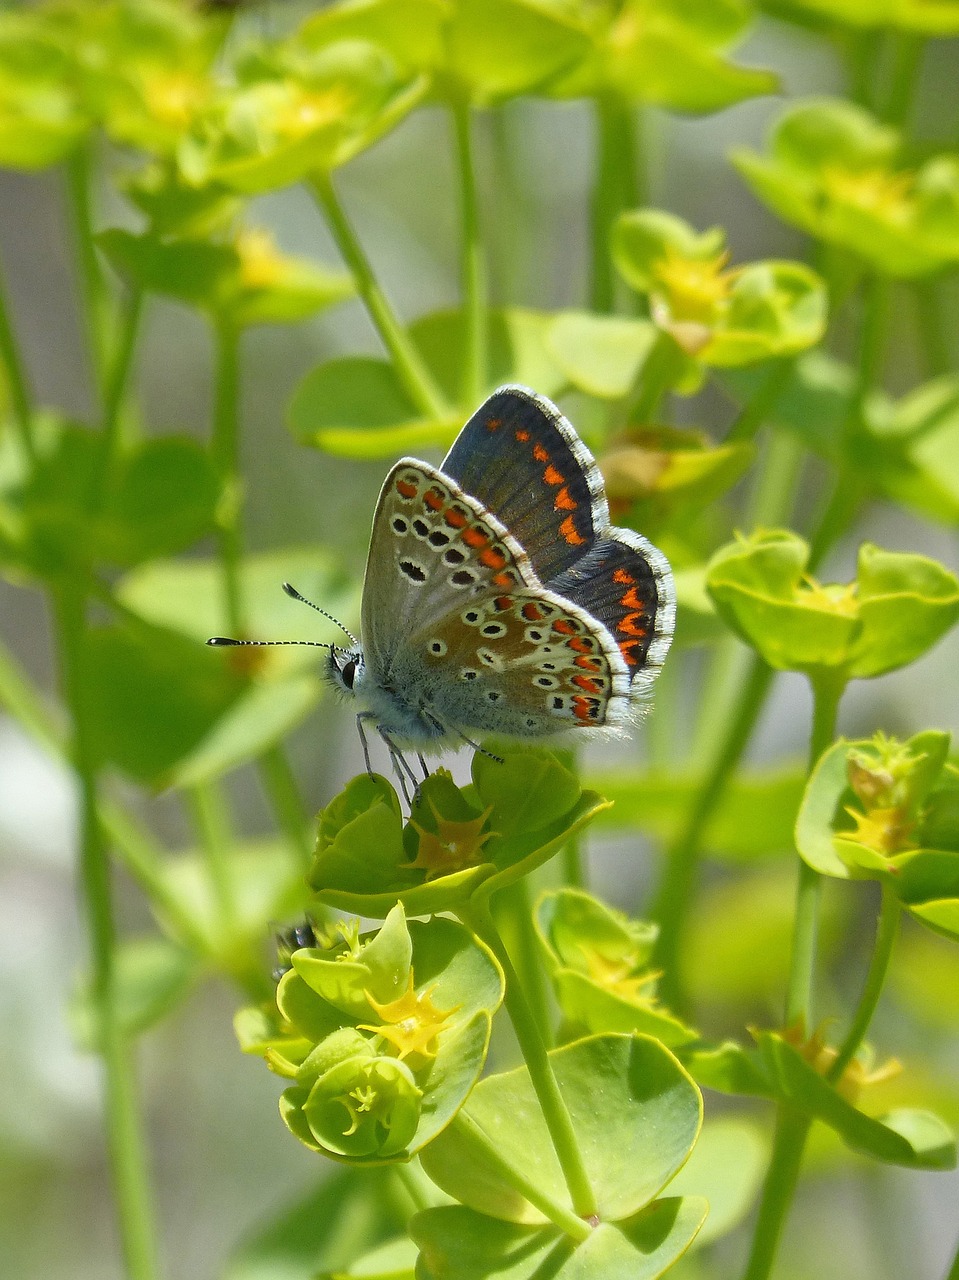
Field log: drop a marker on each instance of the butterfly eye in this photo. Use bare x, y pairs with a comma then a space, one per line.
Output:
348, 673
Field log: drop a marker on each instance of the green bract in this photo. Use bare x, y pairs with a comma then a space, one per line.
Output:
599, 961
242, 282
833, 170
511, 818
897, 608
660, 52
384, 1035
308, 117
482, 50
715, 315
636, 1115
41, 116
888, 810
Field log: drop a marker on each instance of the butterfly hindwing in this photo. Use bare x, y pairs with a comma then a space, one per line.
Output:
625, 583
521, 459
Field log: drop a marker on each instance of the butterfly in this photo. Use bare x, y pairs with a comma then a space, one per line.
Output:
498, 599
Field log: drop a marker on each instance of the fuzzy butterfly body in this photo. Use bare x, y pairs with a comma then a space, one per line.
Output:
498, 599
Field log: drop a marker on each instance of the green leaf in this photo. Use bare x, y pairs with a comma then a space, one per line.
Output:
164, 500
457, 1242
726, 1166
354, 1210
927, 883
753, 820
635, 1112
152, 976
151, 696
192, 271
600, 354
828, 784
906, 602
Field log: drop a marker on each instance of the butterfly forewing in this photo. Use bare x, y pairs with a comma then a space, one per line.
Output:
520, 457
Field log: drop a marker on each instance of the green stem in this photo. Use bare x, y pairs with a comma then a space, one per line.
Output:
118, 383
778, 1191
756, 410
280, 785
475, 284
124, 1135
477, 917
616, 187
225, 453
212, 820
515, 910
672, 901
908, 51
407, 361
571, 861
862, 55
953, 1273
93, 289
886, 930
20, 398
658, 376
934, 327
471, 1136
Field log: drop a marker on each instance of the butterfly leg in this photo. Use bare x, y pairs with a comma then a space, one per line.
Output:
401, 766
423, 765
364, 715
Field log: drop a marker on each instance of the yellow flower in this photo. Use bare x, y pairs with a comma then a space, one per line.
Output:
883, 830
873, 191
411, 1023
307, 110
262, 265
830, 597
622, 975
688, 294
173, 98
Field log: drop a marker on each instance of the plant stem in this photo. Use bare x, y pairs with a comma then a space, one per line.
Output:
792, 1127
756, 410
118, 382
671, 903
212, 820
908, 51
280, 785
478, 918
96, 305
934, 327
475, 284
225, 453
469, 1133
657, 377
778, 1191
886, 930
124, 1136
953, 1273
20, 398
616, 186
407, 361
514, 908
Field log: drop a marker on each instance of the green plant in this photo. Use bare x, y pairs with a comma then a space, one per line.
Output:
574, 1143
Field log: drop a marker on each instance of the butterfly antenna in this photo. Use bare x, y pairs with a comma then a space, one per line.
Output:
226, 640
292, 591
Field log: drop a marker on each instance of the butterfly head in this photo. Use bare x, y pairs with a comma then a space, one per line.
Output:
345, 668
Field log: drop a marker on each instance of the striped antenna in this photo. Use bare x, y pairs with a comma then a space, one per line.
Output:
292, 591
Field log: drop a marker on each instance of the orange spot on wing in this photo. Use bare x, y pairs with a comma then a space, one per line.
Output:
551, 475
406, 488
630, 625
455, 518
581, 705
584, 682
492, 558
580, 645
564, 502
540, 454
588, 664
476, 538
571, 533
493, 424
434, 499
522, 436
564, 627
626, 648
532, 612
620, 575
504, 580
503, 602
631, 600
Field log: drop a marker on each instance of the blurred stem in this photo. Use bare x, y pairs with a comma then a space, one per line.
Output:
225, 453
792, 1127
908, 51
862, 56
284, 794
827, 691
571, 861
953, 1273
475, 284
118, 383
757, 409
20, 398
674, 896
407, 361
616, 186
477, 917
514, 908
212, 821
887, 928
124, 1136
774, 492
93, 289
934, 327
471, 1136
659, 374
